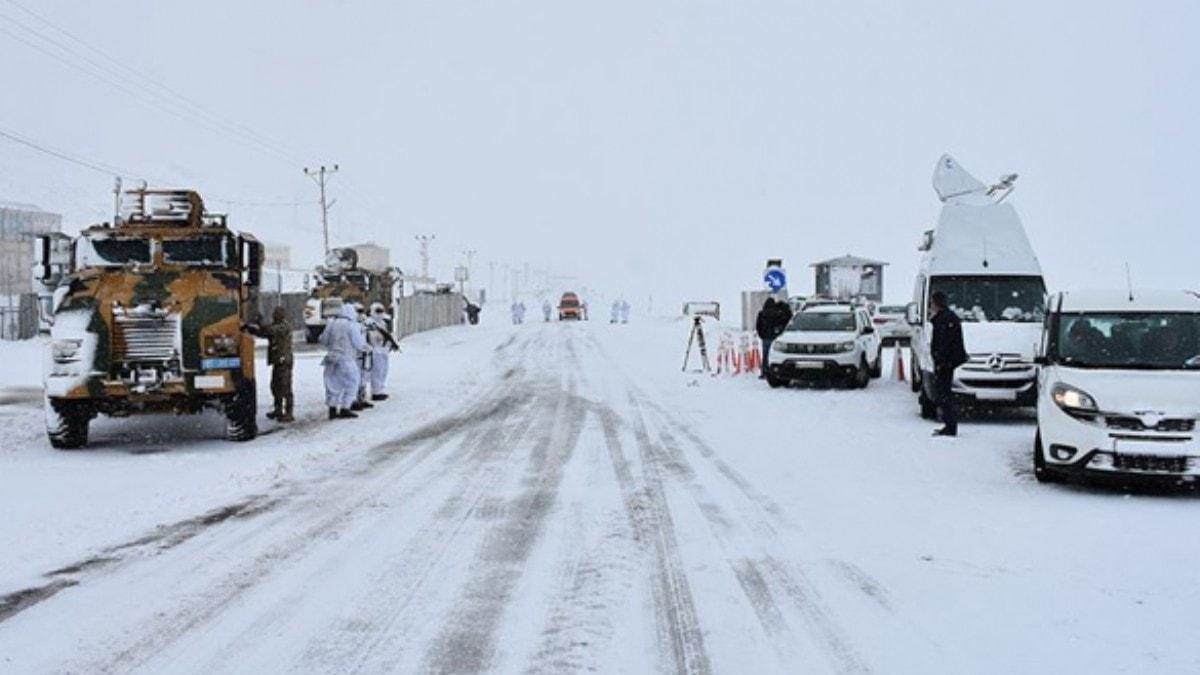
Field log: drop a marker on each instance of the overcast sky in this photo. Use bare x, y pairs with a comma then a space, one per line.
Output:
646, 147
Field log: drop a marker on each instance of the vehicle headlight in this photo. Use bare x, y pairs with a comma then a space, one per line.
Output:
220, 345
65, 350
846, 346
1072, 399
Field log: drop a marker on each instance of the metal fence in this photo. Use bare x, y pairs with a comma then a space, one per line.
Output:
426, 311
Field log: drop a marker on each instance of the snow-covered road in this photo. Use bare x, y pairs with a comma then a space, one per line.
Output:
558, 498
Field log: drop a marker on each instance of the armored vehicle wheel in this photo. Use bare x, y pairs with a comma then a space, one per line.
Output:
241, 413
67, 424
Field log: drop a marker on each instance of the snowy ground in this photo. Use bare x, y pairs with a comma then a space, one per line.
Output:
557, 498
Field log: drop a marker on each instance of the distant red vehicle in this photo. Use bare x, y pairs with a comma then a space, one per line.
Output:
569, 307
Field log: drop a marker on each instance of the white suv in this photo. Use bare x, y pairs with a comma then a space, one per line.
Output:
1119, 387
827, 341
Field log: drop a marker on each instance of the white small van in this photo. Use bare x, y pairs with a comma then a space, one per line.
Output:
981, 259
1120, 387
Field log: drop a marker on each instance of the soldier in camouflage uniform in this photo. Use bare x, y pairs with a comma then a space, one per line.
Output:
279, 354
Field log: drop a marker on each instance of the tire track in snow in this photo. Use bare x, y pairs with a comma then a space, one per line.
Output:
679, 632
467, 642
331, 506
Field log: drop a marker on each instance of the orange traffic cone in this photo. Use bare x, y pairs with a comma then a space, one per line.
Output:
899, 359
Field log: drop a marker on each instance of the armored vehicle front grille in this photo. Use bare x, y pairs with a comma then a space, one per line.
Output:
145, 339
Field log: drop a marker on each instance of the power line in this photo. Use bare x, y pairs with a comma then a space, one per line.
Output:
101, 167
175, 94
112, 170
127, 85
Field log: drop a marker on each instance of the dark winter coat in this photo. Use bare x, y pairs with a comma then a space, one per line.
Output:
772, 320
946, 346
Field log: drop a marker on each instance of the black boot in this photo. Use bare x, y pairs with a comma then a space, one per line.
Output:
946, 431
379, 397
346, 414
333, 413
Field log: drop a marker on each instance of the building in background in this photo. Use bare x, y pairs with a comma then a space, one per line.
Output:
19, 224
849, 277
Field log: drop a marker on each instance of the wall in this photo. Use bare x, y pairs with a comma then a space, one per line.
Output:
426, 311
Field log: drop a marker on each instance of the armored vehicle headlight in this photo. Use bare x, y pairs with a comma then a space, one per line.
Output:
220, 345
65, 350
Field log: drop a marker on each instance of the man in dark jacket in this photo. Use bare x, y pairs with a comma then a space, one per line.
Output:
948, 352
279, 354
772, 319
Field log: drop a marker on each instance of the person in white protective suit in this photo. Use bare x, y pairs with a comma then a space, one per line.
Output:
616, 312
364, 362
546, 309
516, 311
520, 312
344, 342
379, 336
624, 312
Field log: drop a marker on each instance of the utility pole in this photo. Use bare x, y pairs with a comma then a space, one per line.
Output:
423, 240
319, 175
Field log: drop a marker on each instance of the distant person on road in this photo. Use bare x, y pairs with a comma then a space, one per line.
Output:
516, 312
343, 341
624, 312
379, 336
616, 311
948, 351
546, 309
472, 313
772, 320
279, 355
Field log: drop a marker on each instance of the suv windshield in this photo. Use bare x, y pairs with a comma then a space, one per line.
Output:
207, 251
1169, 341
994, 298
108, 251
840, 322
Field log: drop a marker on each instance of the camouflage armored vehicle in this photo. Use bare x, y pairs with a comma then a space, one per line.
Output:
342, 277
150, 317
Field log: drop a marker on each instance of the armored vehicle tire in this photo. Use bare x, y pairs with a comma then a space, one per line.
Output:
241, 414
67, 424
312, 334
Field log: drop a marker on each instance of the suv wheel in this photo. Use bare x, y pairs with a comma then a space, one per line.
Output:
1043, 473
862, 376
241, 413
773, 381
877, 369
67, 424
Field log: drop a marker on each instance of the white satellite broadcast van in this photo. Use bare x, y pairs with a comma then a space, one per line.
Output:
979, 256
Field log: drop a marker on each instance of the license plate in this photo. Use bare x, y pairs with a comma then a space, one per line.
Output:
811, 365
999, 395
209, 382
218, 364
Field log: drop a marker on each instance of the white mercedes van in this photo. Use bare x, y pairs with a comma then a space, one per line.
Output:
979, 256
1120, 387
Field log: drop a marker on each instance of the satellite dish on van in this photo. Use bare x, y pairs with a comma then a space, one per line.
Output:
951, 180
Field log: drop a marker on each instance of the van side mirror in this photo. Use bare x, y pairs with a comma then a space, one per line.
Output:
912, 314
868, 330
